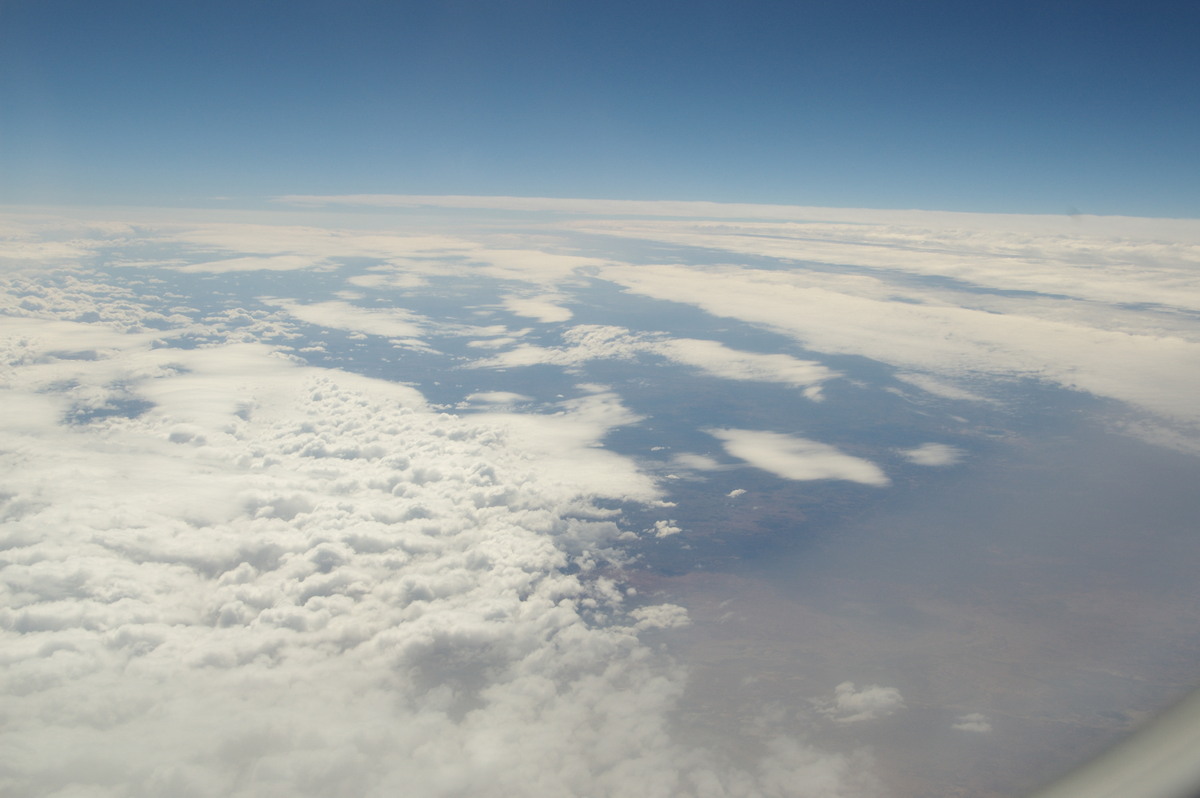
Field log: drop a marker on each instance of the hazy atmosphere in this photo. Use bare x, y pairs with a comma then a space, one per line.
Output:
526, 399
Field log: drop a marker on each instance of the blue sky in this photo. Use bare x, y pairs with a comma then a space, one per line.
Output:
1046, 107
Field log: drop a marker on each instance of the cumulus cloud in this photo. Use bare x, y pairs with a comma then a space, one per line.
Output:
227, 573
296, 582
273, 579
792, 457
934, 454
851, 705
662, 529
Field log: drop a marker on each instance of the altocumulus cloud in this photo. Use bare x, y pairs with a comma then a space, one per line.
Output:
227, 573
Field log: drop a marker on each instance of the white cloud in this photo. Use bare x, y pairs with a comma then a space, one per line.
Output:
797, 458
973, 722
660, 616
662, 529
562, 448
934, 454
265, 263
542, 308
851, 705
698, 462
1085, 262
274, 579
940, 388
225, 573
1110, 227
733, 494
396, 323
1159, 373
719, 360
603, 342
499, 398
392, 280
584, 342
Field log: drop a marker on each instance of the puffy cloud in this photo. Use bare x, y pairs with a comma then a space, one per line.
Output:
850, 705
933, 454
662, 529
792, 457
274, 579
225, 572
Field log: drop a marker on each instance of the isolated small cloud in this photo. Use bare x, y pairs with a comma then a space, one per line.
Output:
662, 529
733, 494
339, 315
697, 462
797, 458
275, 263
934, 454
850, 705
973, 722
498, 398
542, 308
719, 360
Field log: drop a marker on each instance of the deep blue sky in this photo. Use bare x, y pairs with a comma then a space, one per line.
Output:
968, 105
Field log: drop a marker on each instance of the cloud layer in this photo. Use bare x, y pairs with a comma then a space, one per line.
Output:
227, 568
227, 573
